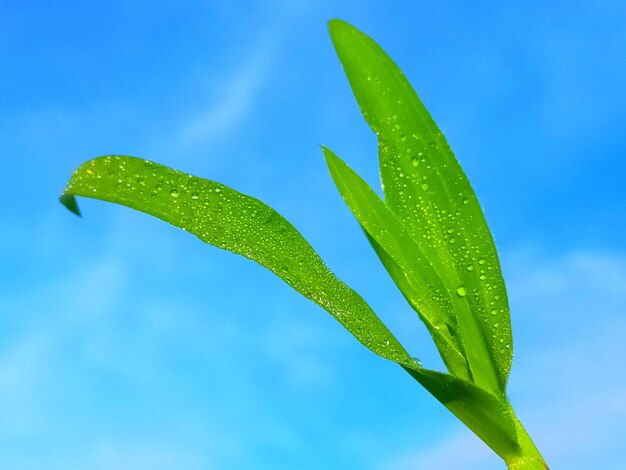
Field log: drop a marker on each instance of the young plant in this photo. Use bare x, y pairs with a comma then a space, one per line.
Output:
429, 233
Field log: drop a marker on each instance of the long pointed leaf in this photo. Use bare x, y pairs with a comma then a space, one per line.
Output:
420, 280
448, 349
426, 188
435, 300
233, 221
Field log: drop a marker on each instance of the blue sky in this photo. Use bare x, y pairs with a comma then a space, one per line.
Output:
127, 344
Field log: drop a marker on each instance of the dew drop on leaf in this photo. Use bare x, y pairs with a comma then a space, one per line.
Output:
461, 291
416, 362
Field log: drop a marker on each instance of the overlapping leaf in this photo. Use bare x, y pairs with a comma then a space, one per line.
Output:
427, 190
422, 284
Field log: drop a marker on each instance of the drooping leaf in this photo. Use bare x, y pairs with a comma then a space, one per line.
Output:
428, 191
233, 221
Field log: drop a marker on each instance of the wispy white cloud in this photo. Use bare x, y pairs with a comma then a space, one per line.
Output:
458, 450
232, 101
294, 349
108, 454
49, 319
567, 380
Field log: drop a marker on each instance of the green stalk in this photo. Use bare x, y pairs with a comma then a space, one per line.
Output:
529, 457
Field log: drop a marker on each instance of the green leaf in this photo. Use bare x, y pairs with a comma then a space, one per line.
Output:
233, 221
488, 417
428, 191
416, 277
446, 344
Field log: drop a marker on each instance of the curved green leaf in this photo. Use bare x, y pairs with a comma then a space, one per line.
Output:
430, 286
233, 221
426, 188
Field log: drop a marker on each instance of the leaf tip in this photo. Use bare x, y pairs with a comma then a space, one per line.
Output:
69, 201
339, 29
329, 155
335, 24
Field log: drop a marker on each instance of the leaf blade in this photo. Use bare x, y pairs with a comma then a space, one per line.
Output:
491, 419
453, 359
426, 188
233, 221
445, 310
401, 256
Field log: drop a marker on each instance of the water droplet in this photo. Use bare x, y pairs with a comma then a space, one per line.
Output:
461, 291
424, 186
465, 201
174, 193
483, 277
415, 161
496, 325
217, 190
195, 196
470, 267
416, 362
494, 311
481, 261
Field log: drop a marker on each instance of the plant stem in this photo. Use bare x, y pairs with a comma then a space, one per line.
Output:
529, 457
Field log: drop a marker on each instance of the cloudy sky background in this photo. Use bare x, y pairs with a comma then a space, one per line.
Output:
127, 344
